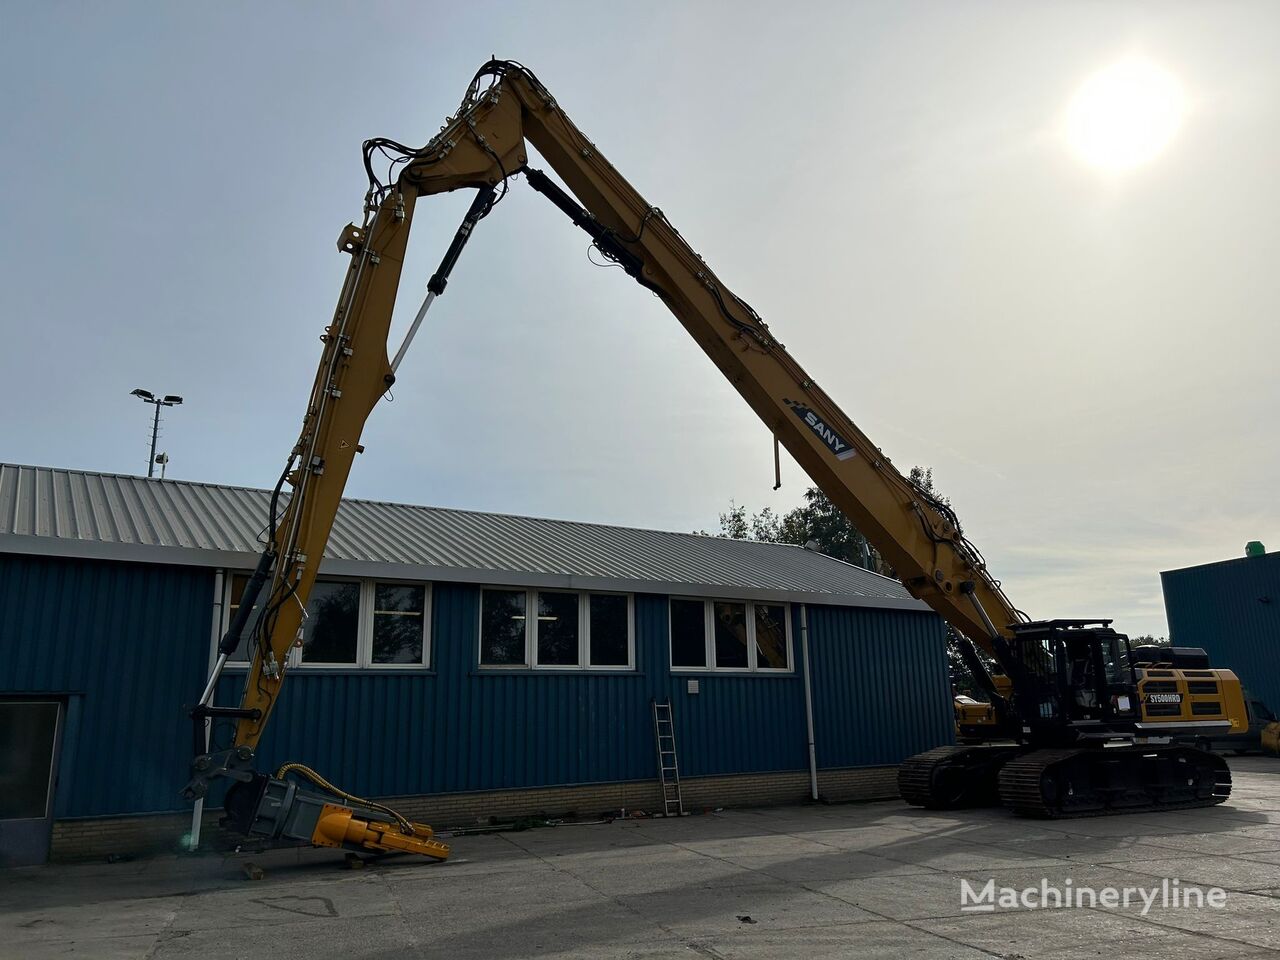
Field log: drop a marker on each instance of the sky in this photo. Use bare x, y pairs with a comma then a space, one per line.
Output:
1085, 356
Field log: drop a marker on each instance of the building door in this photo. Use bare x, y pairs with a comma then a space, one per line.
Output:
29, 734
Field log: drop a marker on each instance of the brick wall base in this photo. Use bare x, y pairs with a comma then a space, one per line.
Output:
92, 838
96, 837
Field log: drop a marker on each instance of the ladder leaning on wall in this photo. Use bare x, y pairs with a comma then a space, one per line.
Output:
664, 736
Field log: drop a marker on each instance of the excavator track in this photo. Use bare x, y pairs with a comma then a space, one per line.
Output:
948, 778
1093, 782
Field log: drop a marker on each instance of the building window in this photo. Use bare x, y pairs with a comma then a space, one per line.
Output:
399, 623
730, 635
688, 633
350, 623
330, 630
609, 628
729, 623
503, 627
772, 649
558, 630
554, 629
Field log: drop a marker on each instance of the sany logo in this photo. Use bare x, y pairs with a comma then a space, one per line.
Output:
837, 444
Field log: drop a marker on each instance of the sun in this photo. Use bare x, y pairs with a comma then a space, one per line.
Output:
1124, 116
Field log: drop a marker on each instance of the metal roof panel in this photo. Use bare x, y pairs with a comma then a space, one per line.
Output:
53, 511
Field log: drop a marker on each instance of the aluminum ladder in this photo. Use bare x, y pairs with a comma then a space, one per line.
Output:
664, 736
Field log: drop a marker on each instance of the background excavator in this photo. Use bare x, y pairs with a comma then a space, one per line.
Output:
1077, 724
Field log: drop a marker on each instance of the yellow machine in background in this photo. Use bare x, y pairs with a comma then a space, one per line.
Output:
1271, 739
1070, 688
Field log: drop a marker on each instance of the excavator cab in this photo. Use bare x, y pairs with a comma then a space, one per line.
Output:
1073, 679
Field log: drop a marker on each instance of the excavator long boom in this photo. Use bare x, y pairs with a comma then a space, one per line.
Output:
481, 147
504, 111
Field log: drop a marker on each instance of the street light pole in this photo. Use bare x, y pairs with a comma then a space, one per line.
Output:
155, 429
168, 400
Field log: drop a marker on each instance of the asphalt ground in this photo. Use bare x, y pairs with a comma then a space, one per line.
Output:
857, 880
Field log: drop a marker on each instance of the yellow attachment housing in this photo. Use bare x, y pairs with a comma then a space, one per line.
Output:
338, 826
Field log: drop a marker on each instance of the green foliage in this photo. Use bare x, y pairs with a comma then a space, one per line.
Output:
819, 521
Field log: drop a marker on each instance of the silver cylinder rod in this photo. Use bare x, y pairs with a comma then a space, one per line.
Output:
480, 206
986, 620
413, 329
213, 680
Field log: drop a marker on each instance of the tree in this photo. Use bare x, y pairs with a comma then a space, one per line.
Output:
1149, 640
820, 521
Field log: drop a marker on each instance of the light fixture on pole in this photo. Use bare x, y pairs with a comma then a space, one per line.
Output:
168, 400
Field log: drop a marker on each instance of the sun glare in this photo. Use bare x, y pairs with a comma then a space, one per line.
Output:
1125, 115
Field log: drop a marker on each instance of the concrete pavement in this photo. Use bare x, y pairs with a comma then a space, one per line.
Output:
866, 880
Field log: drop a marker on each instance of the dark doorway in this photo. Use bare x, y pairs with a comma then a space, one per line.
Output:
29, 734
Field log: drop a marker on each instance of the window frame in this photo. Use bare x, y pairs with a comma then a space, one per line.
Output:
531, 664
708, 637
366, 602
370, 591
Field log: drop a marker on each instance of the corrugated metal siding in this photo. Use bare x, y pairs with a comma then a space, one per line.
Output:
881, 689
735, 723
1232, 609
459, 729
128, 645
131, 642
73, 513
463, 729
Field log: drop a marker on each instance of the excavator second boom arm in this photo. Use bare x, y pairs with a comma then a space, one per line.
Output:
918, 535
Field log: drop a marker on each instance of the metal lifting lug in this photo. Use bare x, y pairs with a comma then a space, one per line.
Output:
351, 240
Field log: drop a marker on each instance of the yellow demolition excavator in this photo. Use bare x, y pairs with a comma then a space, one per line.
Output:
1077, 723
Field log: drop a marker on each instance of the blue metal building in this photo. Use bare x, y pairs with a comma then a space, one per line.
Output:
1232, 609
477, 663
